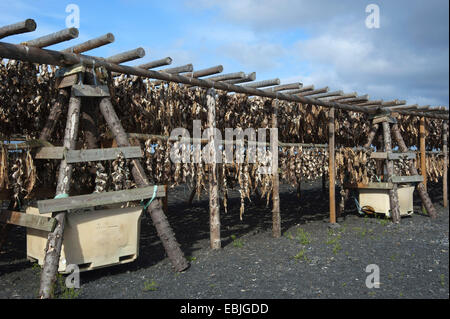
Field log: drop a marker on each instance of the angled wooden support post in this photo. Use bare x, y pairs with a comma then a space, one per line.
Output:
155, 210
55, 113
214, 213
413, 170
276, 217
445, 176
393, 193
55, 238
331, 166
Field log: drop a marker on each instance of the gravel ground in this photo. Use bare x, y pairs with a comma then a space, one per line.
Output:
309, 261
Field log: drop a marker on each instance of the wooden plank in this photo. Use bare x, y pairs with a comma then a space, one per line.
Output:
90, 90
27, 220
398, 156
56, 152
97, 199
91, 155
381, 185
88, 155
382, 119
378, 155
407, 179
67, 81
74, 69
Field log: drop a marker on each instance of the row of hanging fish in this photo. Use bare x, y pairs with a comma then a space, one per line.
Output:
27, 91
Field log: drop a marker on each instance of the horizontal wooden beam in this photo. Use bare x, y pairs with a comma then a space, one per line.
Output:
343, 96
99, 199
88, 155
314, 92
205, 72
328, 94
407, 179
53, 38
85, 90
374, 185
247, 78
156, 63
392, 155
102, 154
301, 90
261, 84
27, 220
284, 87
91, 44
28, 25
127, 56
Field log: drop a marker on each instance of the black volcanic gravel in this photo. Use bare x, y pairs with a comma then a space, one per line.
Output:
310, 260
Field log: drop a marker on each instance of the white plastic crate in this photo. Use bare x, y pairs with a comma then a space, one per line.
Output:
378, 199
92, 239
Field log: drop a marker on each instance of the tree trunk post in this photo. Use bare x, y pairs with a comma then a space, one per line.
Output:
159, 219
214, 213
445, 176
393, 193
276, 217
331, 166
55, 238
55, 113
420, 187
423, 156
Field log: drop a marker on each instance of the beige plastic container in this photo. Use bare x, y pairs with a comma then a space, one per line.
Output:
378, 199
92, 239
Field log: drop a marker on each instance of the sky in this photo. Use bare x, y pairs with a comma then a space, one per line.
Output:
322, 42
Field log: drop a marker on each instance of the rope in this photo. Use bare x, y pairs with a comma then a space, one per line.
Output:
145, 206
62, 195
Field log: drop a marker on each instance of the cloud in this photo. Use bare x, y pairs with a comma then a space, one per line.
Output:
406, 58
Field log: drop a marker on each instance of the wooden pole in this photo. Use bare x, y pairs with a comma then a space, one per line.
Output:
21, 27
127, 56
91, 44
276, 218
53, 38
159, 219
393, 194
420, 187
55, 238
373, 131
445, 176
331, 166
156, 63
214, 213
423, 158
54, 115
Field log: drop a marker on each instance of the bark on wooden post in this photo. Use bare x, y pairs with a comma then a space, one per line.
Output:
214, 213
420, 187
159, 219
55, 113
423, 156
331, 166
393, 194
55, 238
445, 176
276, 218
371, 135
